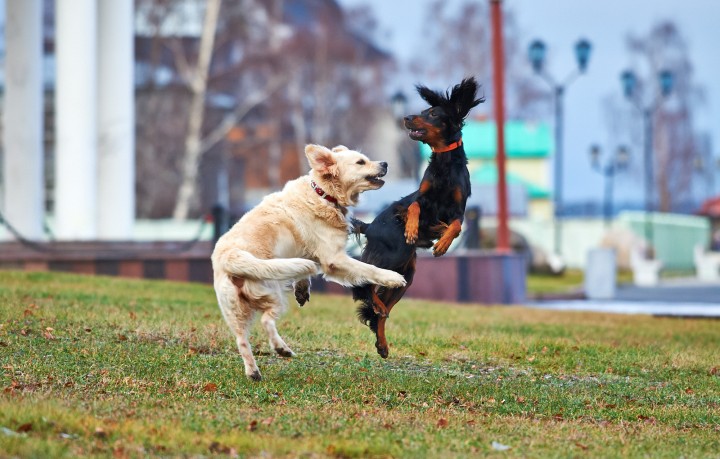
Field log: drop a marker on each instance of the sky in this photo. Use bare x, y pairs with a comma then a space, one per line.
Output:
606, 23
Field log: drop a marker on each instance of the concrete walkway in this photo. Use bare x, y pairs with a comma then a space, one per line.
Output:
673, 298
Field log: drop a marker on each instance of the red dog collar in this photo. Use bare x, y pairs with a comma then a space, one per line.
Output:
452, 146
320, 192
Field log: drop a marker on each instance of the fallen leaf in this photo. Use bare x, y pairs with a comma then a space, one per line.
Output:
520, 399
714, 371
27, 427
210, 387
442, 422
252, 427
122, 337
216, 447
268, 421
581, 446
689, 391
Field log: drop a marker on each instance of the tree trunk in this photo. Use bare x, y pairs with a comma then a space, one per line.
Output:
198, 85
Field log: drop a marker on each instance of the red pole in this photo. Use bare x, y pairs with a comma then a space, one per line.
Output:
503, 236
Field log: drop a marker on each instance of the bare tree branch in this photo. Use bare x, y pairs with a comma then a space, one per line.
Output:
181, 62
219, 133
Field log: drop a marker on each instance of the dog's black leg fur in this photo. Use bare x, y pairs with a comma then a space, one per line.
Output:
302, 291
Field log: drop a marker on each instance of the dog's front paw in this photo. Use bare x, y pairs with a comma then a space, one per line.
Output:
441, 247
302, 291
284, 352
394, 280
411, 235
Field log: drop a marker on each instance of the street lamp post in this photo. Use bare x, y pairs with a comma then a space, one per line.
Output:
629, 83
709, 169
399, 105
536, 54
608, 171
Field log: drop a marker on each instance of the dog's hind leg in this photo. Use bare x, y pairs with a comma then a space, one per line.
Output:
251, 369
238, 315
240, 324
390, 298
276, 341
378, 305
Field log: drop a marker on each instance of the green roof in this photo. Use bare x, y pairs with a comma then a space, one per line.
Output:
487, 175
522, 140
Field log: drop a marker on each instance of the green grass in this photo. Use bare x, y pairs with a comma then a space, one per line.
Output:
571, 281
99, 367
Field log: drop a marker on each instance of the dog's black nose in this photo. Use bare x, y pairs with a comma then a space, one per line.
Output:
383, 164
409, 118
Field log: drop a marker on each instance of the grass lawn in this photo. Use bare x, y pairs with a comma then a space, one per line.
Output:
571, 281
94, 366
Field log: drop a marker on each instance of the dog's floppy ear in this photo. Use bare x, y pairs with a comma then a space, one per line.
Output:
321, 159
433, 98
462, 97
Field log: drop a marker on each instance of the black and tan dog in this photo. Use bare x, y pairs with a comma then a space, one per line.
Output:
430, 217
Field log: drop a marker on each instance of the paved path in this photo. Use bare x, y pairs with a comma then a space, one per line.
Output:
674, 298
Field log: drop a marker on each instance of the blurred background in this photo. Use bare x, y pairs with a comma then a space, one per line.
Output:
134, 120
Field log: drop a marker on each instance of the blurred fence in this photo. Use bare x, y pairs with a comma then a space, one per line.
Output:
674, 235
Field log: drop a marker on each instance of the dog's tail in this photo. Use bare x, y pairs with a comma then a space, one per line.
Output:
244, 264
365, 311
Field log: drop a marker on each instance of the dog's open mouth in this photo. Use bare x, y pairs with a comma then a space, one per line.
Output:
376, 180
416, 134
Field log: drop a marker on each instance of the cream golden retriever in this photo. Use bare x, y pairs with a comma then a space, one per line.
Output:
292, 235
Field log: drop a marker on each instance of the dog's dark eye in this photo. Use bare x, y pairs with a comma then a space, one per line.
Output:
433, 115
360, 162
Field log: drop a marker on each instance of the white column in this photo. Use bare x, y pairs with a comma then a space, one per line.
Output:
116, 115
76, 120
23, 183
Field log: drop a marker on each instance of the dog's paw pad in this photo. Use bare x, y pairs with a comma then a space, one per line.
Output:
383, 351
284, 352
411, 238
302, 299
440, 248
